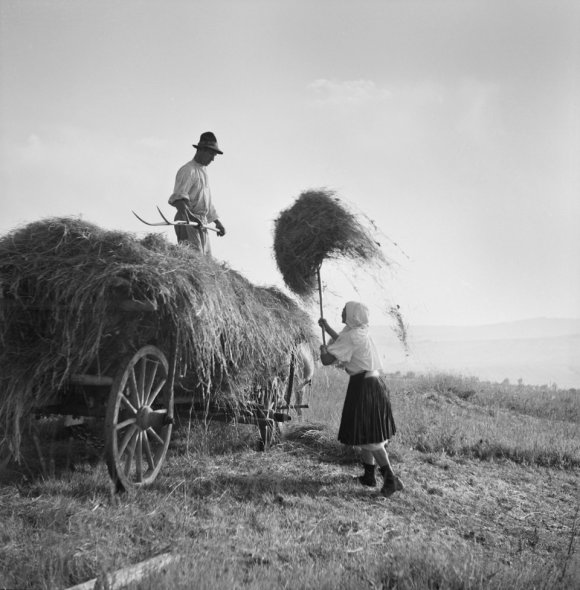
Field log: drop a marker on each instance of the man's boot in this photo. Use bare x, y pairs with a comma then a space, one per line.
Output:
368, 478
391, 483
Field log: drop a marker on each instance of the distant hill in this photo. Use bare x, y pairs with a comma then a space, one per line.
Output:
540, 351
532, 328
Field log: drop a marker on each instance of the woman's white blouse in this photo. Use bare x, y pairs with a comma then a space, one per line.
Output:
356, 350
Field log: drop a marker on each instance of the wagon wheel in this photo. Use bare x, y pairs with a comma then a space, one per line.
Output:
139, 419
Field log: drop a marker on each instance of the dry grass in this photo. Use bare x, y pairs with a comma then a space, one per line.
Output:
461, 416
293, 518
533, 400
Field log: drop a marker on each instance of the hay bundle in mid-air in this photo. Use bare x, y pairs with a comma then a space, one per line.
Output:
65, 278
317, 227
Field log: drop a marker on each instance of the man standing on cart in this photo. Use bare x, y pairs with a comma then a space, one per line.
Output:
192, 196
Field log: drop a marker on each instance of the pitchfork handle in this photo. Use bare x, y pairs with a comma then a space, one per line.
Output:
320, 299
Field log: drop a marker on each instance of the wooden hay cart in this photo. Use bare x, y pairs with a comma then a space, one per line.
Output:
137, 390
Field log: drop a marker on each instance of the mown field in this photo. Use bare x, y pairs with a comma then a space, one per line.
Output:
491, 500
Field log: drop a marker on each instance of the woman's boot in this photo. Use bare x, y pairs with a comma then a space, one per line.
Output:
391, 483
368, 478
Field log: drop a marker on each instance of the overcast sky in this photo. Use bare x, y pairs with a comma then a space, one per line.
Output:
454, 125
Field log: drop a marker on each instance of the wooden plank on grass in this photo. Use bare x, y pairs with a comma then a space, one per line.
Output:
129, 574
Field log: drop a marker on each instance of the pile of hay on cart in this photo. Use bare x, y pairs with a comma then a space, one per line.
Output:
66, 278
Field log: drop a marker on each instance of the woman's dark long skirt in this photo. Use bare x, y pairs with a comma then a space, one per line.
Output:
366, 416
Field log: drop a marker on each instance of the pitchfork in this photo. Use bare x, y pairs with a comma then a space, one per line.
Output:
194, 222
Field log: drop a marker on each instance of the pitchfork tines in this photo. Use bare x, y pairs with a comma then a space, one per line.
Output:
193, 222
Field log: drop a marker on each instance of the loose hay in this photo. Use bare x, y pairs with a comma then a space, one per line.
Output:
315, 228
65, 279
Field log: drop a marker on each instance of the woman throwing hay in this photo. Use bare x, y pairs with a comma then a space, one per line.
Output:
367, 420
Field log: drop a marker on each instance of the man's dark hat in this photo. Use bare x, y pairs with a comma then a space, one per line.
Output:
208, 141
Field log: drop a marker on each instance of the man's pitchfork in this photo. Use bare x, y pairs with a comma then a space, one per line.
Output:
195, 222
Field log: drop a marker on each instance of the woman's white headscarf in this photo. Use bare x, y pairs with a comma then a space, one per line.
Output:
354, 346
357, 315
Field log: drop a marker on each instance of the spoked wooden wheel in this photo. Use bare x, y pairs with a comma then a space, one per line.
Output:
139, 419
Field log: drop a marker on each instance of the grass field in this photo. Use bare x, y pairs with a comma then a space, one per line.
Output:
491, 501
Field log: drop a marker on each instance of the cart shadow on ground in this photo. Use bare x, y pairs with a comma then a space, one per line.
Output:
51, 450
